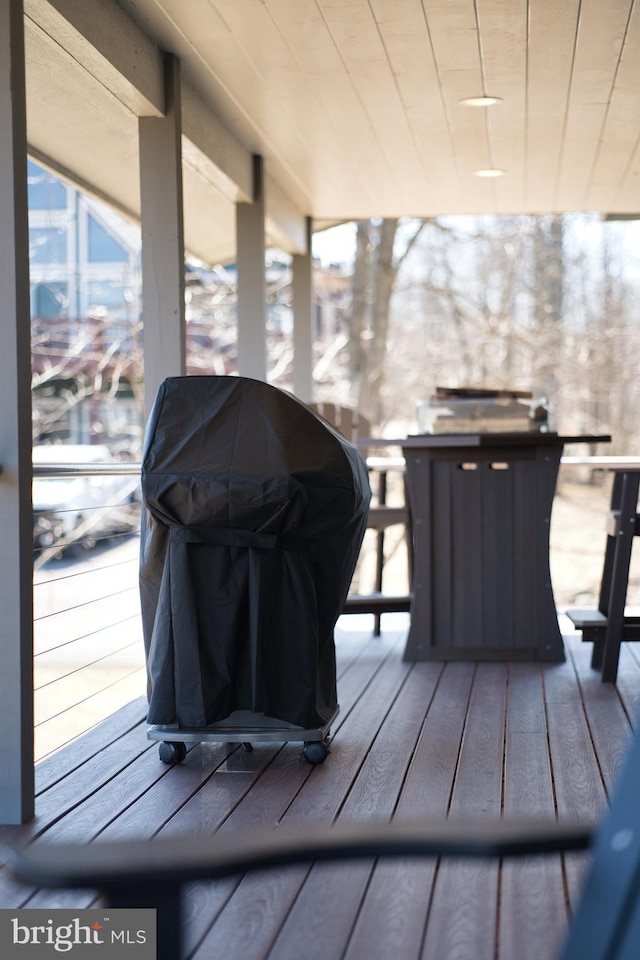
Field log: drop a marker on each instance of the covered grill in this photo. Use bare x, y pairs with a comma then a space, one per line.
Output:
255, 510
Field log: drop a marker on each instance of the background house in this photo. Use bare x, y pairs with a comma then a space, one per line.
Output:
85, 283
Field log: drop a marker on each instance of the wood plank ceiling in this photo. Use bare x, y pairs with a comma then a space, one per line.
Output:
355, 105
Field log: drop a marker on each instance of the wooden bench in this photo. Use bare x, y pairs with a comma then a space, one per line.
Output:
607, 626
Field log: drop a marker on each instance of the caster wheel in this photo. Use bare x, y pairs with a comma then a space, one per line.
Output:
315, 751
172, 752
248, 747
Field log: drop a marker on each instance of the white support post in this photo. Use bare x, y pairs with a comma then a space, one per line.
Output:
162, 240
302, 281
16, 520
252, 294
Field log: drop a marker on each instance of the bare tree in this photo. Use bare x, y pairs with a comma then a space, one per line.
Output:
77, 362
540, 303
378, 259
548, 301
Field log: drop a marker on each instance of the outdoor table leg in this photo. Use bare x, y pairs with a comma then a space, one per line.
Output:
607, 569
625, 531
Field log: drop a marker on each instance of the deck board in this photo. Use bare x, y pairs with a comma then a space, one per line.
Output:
533, 916
411, 740
477, 791
372, 795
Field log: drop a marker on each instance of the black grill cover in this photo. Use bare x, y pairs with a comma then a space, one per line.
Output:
255, 510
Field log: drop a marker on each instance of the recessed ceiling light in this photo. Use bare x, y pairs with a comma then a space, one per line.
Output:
480, 101
490, 172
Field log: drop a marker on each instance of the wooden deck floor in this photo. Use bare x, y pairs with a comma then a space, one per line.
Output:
411, 740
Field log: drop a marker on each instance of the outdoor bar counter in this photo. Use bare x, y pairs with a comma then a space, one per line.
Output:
481, 512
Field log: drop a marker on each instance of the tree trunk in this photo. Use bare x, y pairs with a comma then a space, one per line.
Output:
359, 311
549, 300
384, 275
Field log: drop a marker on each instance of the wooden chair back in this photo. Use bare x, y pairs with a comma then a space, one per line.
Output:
349, 422
354, 426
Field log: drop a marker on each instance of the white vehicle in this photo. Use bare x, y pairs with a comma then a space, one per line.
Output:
80, 509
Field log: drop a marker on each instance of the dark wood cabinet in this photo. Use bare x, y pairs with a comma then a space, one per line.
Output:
481, 507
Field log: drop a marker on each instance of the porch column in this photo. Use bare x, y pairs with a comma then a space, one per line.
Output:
302, 280
16, 521
252, 293
162, 239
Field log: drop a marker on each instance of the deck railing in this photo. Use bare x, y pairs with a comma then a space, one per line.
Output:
89, 655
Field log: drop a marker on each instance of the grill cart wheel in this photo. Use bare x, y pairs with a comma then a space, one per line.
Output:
315, 751
172, 752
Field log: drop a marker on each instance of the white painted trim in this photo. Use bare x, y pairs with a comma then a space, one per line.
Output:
16, 518
252, 309
162, 230
302, 282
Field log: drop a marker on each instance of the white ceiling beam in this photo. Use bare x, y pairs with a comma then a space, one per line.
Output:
213, 151
286, 227
105, 41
